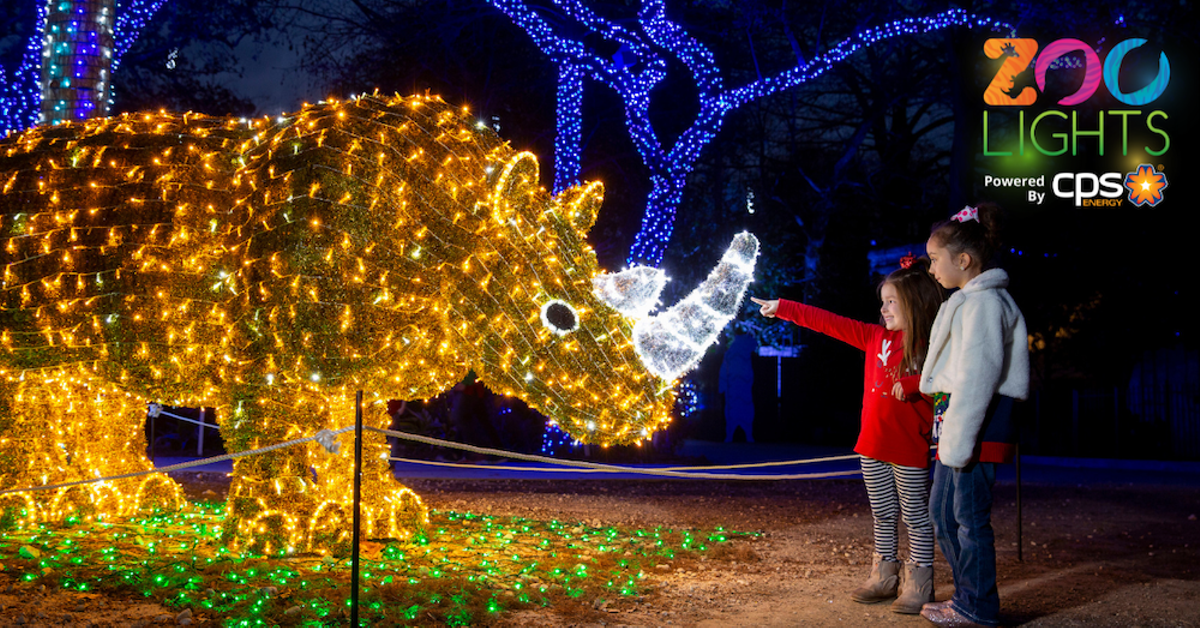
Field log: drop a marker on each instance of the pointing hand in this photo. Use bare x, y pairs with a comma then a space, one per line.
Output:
768, 307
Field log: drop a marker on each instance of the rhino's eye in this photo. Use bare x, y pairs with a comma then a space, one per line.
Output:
559, 317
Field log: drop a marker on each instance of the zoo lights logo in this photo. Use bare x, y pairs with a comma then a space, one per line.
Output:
1052, 131
1018, 54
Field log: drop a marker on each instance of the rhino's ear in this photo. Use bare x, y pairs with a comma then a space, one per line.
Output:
581, 203
515, 187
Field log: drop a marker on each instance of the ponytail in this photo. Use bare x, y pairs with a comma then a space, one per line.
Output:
975, 231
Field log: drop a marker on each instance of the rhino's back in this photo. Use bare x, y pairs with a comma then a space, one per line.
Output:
92, 270
352, 219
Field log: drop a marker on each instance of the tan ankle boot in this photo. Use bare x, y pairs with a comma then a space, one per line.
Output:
882, 585
915, 591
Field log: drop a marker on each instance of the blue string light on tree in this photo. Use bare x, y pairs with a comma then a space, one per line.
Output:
77, 61
641, 63
93, 36
20, 93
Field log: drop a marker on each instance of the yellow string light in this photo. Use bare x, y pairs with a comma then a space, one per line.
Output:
272, 268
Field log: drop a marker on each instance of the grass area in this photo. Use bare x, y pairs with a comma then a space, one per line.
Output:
465, 569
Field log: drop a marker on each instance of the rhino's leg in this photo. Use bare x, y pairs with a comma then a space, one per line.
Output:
20, 508
299, 498
270, 492
388, 508
65, 426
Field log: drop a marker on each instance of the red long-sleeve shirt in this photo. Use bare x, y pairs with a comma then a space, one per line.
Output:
892, 430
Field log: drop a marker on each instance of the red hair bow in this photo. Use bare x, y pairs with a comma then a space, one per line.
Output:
907, 261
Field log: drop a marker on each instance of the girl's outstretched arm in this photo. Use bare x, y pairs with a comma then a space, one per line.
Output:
854, 333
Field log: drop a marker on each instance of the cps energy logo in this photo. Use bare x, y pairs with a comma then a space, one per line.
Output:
1144, 186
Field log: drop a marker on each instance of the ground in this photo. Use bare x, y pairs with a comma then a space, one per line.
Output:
1094, 555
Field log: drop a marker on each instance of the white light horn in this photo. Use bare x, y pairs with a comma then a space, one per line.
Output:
672, 343
633, 292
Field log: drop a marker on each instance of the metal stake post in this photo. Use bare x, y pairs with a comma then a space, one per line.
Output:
153, 418
1020, 543
200, 436
358, 425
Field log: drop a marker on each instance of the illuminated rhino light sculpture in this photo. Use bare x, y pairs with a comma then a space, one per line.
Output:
272, 269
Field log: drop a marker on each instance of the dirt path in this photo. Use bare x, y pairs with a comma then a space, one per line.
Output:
1094, 556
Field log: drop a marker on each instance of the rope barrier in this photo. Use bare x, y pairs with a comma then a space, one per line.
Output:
639, 471
676, 472
325, 438
319, 437
778, 463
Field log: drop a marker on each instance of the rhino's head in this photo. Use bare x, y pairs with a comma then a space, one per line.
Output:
578, 344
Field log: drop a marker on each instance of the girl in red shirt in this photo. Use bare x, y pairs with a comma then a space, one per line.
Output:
893, 443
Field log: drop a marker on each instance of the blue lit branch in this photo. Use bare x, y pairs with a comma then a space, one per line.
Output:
21, 91
641, 63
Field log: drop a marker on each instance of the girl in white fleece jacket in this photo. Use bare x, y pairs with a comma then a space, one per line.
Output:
976, 366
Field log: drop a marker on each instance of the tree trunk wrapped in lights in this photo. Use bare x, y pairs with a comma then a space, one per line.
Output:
273, 268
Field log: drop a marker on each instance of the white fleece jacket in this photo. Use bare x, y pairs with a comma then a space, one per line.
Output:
978, 347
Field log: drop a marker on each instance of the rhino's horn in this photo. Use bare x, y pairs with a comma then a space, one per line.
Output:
633, 292
673, 342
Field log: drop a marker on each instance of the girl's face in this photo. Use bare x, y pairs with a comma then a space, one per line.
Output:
945, 267
893, 313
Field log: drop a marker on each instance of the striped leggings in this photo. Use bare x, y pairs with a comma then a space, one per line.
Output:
898, 490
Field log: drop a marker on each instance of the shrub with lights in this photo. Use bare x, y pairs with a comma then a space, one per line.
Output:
271, 268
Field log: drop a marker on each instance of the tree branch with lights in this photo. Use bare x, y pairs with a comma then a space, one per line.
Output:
641, 63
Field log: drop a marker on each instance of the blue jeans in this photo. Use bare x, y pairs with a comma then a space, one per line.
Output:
961, 506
